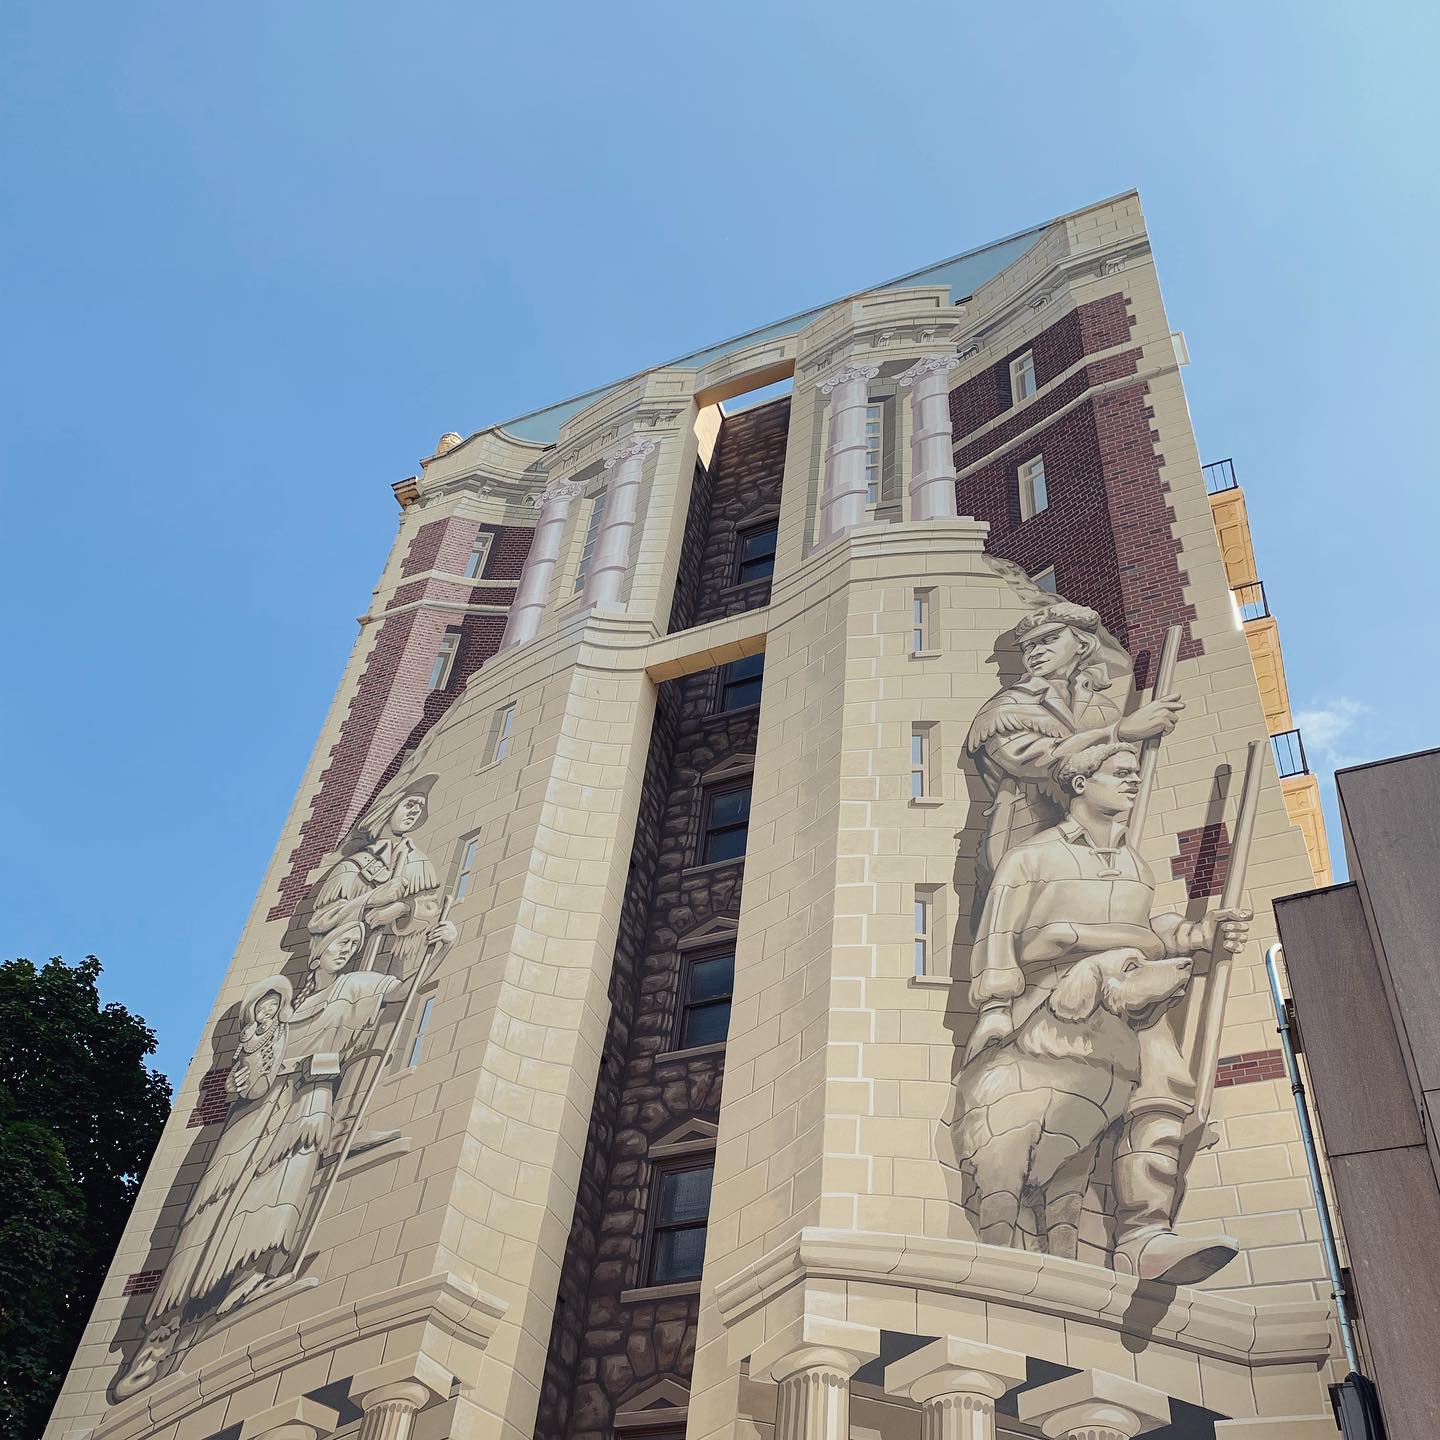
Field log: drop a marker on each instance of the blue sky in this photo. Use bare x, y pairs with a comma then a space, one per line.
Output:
258, 258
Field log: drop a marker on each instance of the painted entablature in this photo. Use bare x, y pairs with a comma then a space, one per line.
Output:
769, 939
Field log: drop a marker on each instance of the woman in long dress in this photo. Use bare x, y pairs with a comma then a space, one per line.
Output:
242, 1223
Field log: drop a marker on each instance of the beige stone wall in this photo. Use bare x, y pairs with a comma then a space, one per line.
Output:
439, 1256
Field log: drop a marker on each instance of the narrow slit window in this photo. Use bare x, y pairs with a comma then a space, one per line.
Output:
1022, 377
1034, 496
924, 929
479, 554
592, 538
1045, 579
682, 1213
705, 1012
421, 1026
504, 726
466, 877
922, 761
920, 614
445, 659
874, 451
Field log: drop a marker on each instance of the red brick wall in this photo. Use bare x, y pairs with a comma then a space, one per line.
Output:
1204, 859
393, 705
1107, 529
212, 1104
1251, 1066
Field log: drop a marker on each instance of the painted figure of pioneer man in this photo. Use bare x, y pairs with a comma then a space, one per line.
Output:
1078, 890
389, 875
1059, 707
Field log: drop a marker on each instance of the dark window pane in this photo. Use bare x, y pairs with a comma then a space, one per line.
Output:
729, 806
757, 554
712, 979
706, 1024
679, 1255
685, 1195
743, 669
727, 844
740, 682
736, 697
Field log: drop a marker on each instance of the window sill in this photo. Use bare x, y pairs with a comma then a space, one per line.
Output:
713, 865
692, 1052
753, 709
926, 802
931, 982
659, 1292
926, 654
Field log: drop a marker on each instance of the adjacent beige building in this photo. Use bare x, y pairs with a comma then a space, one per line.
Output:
601, 1051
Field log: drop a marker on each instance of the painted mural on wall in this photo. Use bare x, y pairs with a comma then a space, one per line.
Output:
309, 1059
1075, 1095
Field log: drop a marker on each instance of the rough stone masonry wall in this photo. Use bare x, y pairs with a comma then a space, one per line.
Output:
604, 1349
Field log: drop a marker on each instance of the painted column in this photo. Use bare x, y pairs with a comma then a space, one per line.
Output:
815, 1399
956, 1384
390, 1411
842, 496
608, 565
1095, 1405
932, 444
811, 1361
533, 592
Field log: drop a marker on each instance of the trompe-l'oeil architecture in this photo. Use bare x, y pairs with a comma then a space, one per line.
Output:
768, 943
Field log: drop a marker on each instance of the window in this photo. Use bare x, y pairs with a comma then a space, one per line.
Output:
923, 785
1045, 579
874, 437
466, 876
592, 537
445, 659
479, 553
705, 1000
682, 1208
502, 727
925, 908
421, 1026
740, 682
920, 621
1022, 377
755, 559
727, 824
1033, 496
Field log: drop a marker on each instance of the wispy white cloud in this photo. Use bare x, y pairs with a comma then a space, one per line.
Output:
1341, 731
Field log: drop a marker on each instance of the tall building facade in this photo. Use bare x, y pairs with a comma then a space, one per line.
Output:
762, 947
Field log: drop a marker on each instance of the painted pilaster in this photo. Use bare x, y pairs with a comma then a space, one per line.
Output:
842, 498
932, 455
956, 1384
533, 593
606, 576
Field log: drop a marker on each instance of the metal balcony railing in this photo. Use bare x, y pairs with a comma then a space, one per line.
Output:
1250, 600
1289, 751
1219, 475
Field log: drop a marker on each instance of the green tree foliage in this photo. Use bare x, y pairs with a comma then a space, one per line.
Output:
80, 1114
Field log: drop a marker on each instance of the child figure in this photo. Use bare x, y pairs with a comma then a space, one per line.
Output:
262, 1040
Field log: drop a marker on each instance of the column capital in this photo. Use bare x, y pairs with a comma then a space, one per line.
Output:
557, 490
636, 447
952, 1366
848, 372
301, 1418
815, 1342
1094, 1401
928, 365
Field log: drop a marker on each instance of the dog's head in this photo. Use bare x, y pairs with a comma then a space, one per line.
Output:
1122, 982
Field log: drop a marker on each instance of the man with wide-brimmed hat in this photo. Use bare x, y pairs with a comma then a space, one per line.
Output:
389, 874
1070, 660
